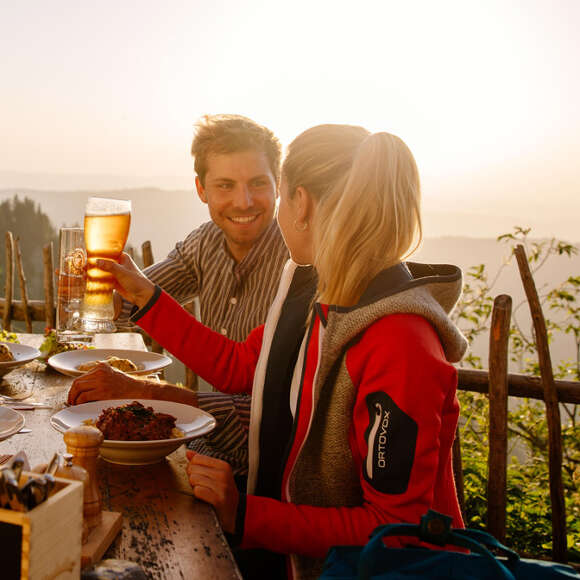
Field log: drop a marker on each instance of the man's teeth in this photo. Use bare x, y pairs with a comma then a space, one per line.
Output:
243, 219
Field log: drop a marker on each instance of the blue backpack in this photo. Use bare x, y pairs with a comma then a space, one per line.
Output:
377, 562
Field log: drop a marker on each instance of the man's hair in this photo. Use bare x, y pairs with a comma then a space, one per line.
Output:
223, 134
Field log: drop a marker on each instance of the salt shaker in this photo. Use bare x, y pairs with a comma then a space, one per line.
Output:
83, 444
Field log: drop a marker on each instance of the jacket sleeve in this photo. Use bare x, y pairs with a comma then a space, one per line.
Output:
400, 375
225, 363
178, 274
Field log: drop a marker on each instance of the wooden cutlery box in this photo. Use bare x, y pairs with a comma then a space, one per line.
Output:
44, 543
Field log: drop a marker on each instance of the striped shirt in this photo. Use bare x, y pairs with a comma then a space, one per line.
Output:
234, 298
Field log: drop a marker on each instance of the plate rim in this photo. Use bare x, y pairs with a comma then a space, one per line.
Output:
73, 372
21, 421
33, 353
111, 443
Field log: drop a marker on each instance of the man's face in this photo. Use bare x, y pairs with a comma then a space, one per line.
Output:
240, 192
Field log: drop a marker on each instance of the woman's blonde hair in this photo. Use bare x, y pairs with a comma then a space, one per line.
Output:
367, 215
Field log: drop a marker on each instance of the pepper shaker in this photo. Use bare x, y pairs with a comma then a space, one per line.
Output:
68, 470
83, 444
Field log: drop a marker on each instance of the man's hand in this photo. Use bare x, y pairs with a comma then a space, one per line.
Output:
131, 283
105, 382
212, 481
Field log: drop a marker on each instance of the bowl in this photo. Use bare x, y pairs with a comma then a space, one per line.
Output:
191, 421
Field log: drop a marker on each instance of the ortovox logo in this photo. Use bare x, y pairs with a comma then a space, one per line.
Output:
391, 438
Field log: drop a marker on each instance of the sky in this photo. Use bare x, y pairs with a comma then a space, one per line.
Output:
106, 94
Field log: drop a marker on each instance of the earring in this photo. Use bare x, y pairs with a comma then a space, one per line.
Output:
300, 226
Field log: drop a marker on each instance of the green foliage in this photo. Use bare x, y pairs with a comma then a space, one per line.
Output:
6, 336
27, 222
528, 500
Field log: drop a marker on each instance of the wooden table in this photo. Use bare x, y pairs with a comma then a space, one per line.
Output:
168, 532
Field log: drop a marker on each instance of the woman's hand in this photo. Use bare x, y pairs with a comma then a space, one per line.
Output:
105, 382
212, 481
131, 283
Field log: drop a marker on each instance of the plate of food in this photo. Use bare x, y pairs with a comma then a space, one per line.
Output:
137, 431
75, 363
14, 355
11, 422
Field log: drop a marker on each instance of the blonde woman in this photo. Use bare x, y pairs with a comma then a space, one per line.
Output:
354, 404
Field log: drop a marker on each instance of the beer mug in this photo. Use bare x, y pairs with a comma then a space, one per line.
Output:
71, 284
107, 224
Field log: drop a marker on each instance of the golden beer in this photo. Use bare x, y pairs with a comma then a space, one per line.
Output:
106, 232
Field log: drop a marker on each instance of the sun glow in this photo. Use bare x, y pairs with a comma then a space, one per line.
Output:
113, 88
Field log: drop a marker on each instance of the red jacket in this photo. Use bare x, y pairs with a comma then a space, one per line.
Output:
380, 452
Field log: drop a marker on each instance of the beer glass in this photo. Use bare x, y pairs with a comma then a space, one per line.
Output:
71, 284
106, 230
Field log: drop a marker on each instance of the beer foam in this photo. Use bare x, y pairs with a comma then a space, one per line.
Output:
97, 206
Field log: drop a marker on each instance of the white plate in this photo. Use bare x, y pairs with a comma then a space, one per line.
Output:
191, 420
22, 354
11, 422
147, 362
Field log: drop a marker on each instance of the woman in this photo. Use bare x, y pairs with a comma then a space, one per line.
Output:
354, 403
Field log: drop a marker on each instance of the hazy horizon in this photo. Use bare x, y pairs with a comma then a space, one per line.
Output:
165, 216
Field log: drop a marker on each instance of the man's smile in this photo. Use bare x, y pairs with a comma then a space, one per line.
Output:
244, 219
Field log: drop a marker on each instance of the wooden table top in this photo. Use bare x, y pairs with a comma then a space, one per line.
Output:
168, 532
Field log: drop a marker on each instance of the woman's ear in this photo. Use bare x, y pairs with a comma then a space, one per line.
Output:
304, 205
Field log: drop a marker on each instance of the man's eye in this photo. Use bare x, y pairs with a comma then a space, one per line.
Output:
224, 186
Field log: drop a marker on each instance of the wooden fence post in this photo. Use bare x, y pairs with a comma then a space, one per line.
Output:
498, 409
23, 289
9, 282
559, 545
49, 285
147, 253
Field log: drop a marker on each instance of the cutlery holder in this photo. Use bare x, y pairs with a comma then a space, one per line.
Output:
46, 541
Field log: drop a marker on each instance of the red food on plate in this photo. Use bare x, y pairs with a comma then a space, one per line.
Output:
135, 422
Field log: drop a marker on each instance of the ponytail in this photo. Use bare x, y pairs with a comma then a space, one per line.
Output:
367, 216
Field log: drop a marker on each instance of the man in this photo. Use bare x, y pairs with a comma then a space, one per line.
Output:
233, 263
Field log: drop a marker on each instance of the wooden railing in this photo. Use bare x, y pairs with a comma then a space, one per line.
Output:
519, 386
499, 385
26, 310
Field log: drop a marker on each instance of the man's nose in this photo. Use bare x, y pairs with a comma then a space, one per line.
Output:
243, 197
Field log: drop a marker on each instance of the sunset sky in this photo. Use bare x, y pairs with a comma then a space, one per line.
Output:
486, 93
